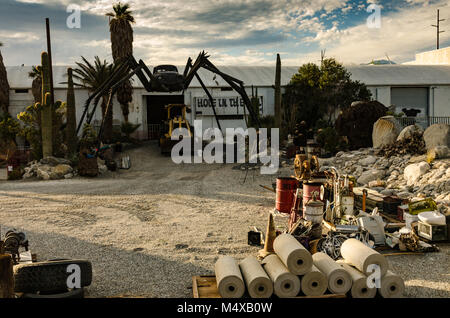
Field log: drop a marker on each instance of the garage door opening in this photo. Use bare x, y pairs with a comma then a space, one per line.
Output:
156, 113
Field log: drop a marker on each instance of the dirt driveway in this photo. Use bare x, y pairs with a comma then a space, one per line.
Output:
148, 230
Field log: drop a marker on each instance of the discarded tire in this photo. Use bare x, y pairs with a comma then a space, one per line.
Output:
49, 276
74, 293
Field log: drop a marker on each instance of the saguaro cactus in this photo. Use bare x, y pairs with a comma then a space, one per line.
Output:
46, 107
278, 117
71, 134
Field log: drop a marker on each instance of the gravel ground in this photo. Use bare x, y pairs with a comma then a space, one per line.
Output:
148, 230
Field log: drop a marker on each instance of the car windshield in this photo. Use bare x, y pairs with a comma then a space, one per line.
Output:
165, 68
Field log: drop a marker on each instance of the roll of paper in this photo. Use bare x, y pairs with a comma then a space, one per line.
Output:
285, 284
339, 281
361, 256
229, 278
293, 255
258, 283
392, 286
359, 282
314, 283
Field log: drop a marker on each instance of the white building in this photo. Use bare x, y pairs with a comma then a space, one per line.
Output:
425, 88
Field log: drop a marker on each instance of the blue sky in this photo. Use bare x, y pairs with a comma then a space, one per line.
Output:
234, 32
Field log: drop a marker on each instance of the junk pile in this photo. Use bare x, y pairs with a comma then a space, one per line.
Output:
25, 277
344, 213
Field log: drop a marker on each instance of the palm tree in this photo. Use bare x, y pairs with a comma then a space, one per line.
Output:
91, 76
36, 86
4, 86
122, 46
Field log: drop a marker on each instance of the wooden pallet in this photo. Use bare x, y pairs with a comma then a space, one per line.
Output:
206, 287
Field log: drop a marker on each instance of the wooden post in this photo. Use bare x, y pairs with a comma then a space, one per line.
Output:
6, 276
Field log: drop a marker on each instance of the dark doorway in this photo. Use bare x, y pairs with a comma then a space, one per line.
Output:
156, 112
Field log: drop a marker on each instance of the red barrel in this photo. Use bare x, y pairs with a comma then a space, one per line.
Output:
286, 188
309, 188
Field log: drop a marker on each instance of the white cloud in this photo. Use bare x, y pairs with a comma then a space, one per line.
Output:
402, 34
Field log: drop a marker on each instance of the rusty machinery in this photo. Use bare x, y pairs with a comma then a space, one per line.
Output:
12, 243
165, 78
305, 168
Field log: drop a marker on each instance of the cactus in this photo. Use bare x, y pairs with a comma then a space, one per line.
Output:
49, 127
46, 107
71, 135
278, 117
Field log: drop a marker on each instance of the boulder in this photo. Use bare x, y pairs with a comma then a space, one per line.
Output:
437, 135
438, 152
62, 169
53, 161
385, 131
409, 132
370, 175
413, 172
369, 160
43, 172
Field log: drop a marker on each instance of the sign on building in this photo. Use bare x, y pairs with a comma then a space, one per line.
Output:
225, 106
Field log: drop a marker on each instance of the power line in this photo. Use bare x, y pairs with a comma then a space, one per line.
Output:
437, 26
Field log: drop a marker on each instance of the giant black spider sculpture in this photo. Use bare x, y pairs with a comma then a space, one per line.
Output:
156, 82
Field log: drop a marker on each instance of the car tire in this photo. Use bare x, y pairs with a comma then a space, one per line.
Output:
49, 276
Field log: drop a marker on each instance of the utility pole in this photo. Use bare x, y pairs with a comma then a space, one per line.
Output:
437, 26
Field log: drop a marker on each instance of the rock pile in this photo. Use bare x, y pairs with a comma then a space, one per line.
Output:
50, 168
404, 175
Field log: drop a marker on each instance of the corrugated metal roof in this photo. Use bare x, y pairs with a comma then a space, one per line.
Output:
265, 75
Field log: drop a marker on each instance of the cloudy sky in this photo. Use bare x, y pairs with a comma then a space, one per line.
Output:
234, 32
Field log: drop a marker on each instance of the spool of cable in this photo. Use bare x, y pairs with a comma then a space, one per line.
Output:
359, 282
392, 286
361, 256
339, 281
256, 279
285, 284
293, 255
229, 278
314, 283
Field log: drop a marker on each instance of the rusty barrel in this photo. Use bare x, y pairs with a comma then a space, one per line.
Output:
309, 188
286, 188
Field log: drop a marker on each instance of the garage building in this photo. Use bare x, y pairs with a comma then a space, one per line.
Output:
423, 88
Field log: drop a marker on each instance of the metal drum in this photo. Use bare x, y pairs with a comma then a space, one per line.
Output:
286, 188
